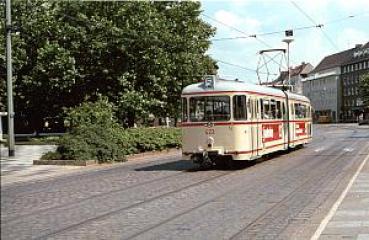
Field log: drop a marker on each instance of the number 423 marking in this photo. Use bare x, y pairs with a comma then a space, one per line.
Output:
210, 131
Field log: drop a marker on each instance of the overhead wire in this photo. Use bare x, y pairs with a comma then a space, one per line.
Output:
266, 33
313, 21
237, 30
241, 67
320, 25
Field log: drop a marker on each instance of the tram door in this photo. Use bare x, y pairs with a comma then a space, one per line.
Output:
255, 138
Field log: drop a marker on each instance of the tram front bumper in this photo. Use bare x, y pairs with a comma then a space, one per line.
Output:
212, 153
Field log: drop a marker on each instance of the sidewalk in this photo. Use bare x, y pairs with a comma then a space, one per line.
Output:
351, 220
24, 155
20, 167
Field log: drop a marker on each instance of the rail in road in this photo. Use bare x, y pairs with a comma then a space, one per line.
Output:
284, 197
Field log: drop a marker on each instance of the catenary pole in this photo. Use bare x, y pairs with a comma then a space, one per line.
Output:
9, 77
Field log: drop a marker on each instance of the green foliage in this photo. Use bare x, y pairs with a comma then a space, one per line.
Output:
92, 142
151, 139
41, 140
95, 135
95, 142
138, 54
51, 156
99, 112
364, 89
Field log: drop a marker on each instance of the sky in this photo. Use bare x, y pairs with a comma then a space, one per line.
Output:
247, 17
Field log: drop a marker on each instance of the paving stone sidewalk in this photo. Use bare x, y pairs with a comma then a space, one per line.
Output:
351, 220
20, 167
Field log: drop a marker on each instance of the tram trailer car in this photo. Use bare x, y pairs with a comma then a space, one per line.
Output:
225, 120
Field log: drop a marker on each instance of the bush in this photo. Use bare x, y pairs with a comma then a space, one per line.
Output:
95, 135
92, 142
100, 112
150, 139
51, 156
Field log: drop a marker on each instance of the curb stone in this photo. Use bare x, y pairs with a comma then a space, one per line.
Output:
65, 162
132, 157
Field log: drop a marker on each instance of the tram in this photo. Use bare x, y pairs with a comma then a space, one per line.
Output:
226, 121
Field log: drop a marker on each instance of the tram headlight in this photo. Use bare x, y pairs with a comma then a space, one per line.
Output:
210, 141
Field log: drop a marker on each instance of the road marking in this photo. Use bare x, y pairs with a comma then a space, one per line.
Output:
335, 206
363, 237
319, 149
348, 149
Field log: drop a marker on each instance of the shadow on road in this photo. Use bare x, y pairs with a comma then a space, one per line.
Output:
189, 166
181, 165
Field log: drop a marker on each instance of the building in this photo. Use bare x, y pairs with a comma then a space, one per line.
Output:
297, 73
332, 86
323, 87
351, 71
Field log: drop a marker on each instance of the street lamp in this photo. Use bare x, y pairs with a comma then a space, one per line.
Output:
288, 40
9, 78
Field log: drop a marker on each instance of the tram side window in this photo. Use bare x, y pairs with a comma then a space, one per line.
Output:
265, 109
273, 109
300, 110
279, 110
239, 107
184, 110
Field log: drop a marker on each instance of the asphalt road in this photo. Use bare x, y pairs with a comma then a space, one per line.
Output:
283, 197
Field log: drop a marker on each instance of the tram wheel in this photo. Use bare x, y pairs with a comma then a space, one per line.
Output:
221, 162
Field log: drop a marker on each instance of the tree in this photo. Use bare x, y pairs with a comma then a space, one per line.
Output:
364, 89
138, 54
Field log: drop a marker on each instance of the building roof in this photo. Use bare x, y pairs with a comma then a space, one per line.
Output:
302, 69
361, 52
334, 60
338, 59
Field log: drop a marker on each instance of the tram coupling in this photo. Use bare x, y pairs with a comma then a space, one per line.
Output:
205, 159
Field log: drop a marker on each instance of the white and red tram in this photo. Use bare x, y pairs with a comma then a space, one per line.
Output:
231, 120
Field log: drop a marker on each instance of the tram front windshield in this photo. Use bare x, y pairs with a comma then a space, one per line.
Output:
210, 108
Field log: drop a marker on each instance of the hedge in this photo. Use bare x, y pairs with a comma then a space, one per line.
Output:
94, 134
105, 145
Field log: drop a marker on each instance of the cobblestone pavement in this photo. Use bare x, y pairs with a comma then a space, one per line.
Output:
284, 197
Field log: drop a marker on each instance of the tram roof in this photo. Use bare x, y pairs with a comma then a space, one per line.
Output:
222, 85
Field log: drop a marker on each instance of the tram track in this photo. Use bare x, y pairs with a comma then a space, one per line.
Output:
145, 202
285, 177
82, 178
96, 196
259, 221
71, 177
224, 194
291, 168
79, 201
132, 206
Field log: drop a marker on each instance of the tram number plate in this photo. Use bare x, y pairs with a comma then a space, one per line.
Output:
210, 131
